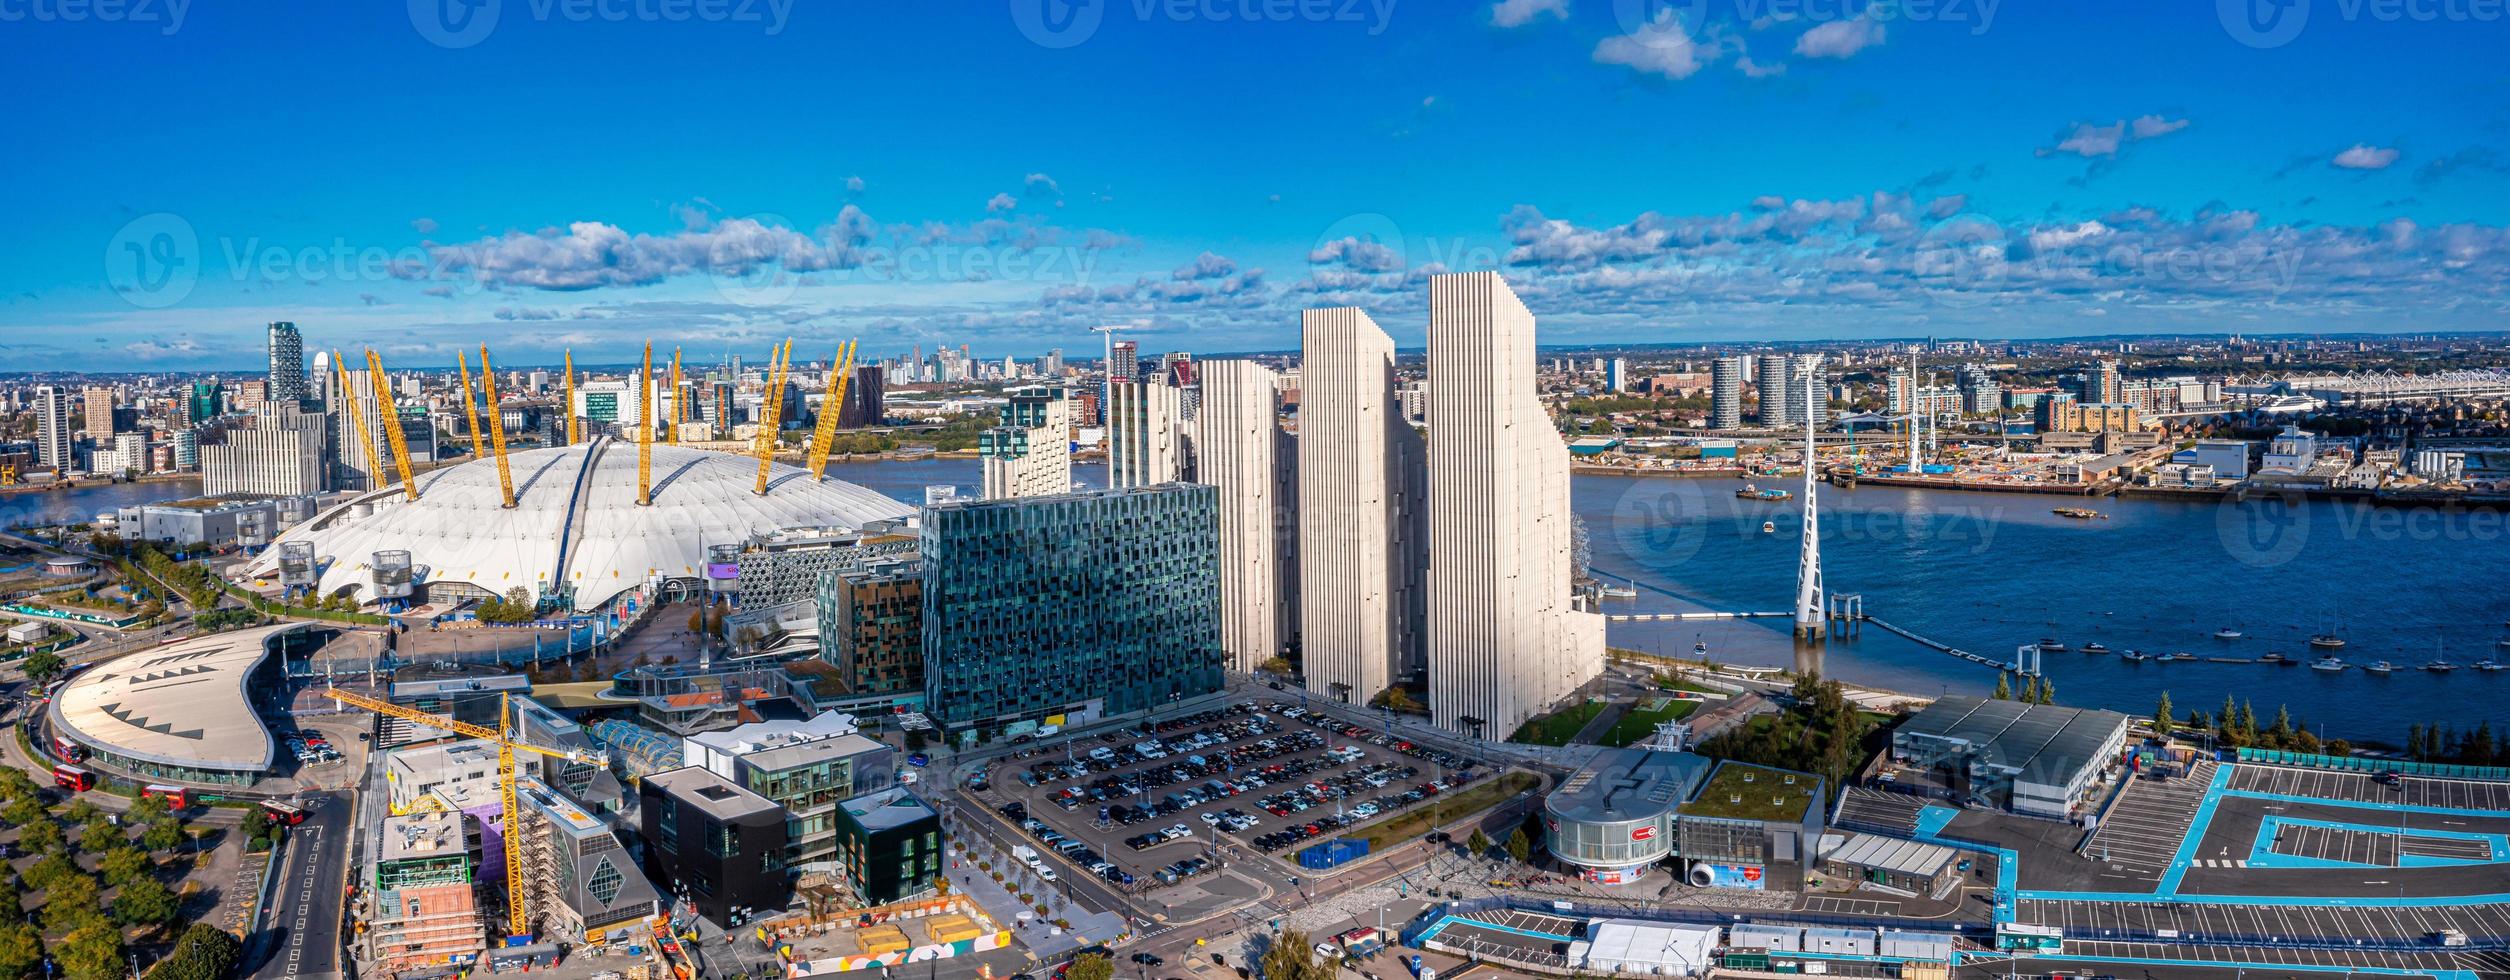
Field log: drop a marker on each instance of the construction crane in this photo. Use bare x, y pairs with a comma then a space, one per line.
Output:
679, 405
496, 429
518, 918
391, 416
771, 415
357, 422
569, 407
645, 430
830, 408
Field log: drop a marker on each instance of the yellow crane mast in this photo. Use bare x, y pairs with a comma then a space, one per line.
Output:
496, 429
771, 415
830, 407
391, 416
357, 422
569, 406
518, 918
645, 430
470, 412
679, 405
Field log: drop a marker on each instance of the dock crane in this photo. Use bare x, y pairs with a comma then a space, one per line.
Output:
518, 918
831, 407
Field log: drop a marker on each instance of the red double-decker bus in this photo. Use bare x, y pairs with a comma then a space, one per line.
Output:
173, 795
73, 778
66, 749
285, 813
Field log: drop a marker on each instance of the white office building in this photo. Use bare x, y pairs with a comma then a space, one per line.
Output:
53, 438
1030, 453
280, 457
1361, 521
1725, 393
1506, 638
1145, 423
1239, 448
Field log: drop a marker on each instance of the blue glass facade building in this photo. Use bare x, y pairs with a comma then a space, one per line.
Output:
1099, 603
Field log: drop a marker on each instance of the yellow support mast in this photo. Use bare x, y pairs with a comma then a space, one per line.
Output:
645, 430
357, 423
771, 415
679, 405
518, 917
496, 429
829, 408
569, 408
470, 411
391, 416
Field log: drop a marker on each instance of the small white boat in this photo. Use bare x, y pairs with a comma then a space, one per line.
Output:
2050, 644
2326, 641
2095, 647
2135, 656
2381, 667
1769, 527
2227, 633
2440, 666
2488, 665
2329, 664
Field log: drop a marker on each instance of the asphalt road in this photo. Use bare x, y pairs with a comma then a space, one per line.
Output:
299, 933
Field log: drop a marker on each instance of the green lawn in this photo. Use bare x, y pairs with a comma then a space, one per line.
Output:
1444, 808
1559, 727
1640, 722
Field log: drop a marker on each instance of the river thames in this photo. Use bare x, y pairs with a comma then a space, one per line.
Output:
1989, 572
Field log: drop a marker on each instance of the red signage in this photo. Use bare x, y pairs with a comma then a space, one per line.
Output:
1643, 833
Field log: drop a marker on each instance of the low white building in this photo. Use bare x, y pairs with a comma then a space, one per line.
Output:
1633, 946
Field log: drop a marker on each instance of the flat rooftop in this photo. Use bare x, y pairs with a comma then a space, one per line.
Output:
186, 704
423, 835
1741, 791
890, 808
2011, 736
1627, 784
711, 793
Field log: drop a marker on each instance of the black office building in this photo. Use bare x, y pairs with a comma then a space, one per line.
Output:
719, 845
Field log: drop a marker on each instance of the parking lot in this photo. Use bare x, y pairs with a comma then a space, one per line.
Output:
2253, 956
2295, 923
2453, 794
2140, 835
1156, 805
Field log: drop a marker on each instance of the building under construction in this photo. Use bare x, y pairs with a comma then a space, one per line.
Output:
579, 882
426, 920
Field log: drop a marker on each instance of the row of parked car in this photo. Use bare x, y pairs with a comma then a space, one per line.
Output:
311, 747
1110, 757
1079, 853
1219, 772
1360, 733
1356, 814
1301, 798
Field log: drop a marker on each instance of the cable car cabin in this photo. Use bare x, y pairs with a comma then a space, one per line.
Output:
283, 813
174, 796
66, 749
73, 778
2014, 937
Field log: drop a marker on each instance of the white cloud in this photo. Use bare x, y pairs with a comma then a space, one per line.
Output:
1001, 203
2148, 126
2090, 140
424, 226
1840, 38
854, 185
1662, 47
2363, 156
1516, 13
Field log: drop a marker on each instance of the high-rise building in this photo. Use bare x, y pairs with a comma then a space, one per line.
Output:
53, 445
96, 402
208, 401
1806, 403
1506, 638
280, 456
1725, 393
1030, 453
1617, 375
252, 396
1084, 605
1362, 531
1144, 428
287, 364
351, 467
1124, 366
1774, 375
1241, 452
863, 400
871, 627
2103, 383
1053, 364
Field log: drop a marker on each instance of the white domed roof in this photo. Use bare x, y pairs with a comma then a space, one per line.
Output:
573, 523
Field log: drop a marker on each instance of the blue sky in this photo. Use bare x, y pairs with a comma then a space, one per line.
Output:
545, 174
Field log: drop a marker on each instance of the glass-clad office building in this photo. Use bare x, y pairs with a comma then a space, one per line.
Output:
1060, 608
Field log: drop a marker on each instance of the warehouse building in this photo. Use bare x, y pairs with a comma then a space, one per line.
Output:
2035, 760
1907, 866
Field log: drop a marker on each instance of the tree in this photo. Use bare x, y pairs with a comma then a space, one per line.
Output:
1091, 966
123, 865
71, 901
2162, 718
2047, 692
162, 835
146, 902
2004, 686
1478, 844
99, 836
92, 952
1292, 956
40, 835
1520, 847
21, 950
205, 952
54, 867
256, 823
43, 665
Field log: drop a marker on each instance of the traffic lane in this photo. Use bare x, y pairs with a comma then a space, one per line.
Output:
1081, 886
301, 928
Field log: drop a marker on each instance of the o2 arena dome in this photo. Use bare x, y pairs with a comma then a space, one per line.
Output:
575, 521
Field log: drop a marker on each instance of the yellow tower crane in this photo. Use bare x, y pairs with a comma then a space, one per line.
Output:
771, 416
569, 407
679, 405
496, 429
518, 918
357, 422
391, 416
829, 408
470, 411
645, 430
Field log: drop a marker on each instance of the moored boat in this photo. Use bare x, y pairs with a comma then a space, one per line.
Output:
2380, 667
2048, 644
2095, 647
2328, 664
2326, 641
2227, 633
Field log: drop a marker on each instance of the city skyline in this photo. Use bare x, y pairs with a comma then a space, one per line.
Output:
1704, 172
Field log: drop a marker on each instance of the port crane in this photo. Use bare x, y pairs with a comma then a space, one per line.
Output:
518, 918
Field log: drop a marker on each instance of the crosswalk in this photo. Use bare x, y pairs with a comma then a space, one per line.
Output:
2218, 863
